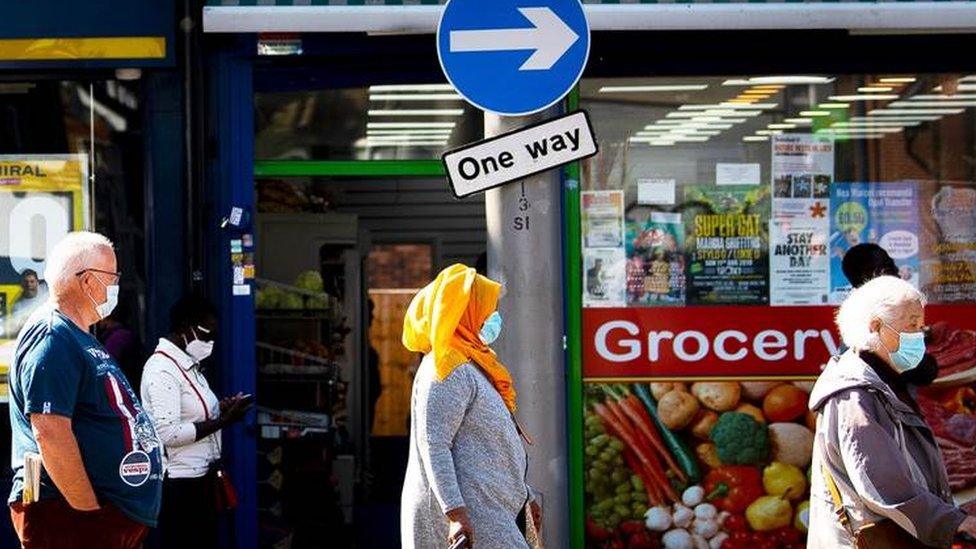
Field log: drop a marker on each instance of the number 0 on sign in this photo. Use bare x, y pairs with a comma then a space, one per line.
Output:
513, 57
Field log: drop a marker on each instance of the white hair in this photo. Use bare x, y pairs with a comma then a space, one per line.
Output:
881, 298
72, 254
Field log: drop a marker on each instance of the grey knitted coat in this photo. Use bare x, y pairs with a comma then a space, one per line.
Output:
464, 451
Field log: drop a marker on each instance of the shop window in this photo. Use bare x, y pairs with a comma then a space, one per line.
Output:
714, 222
378, 122
60, 173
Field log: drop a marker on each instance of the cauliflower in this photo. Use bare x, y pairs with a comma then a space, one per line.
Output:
693, 496
683, 516
740, 439
706, 511
718, 540
678, 539
706, 528
658, 519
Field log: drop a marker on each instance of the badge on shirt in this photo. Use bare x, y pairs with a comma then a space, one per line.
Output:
135, 468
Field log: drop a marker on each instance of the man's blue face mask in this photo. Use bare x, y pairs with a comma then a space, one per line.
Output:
492, 328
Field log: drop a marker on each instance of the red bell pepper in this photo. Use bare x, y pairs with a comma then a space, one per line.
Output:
596, 532
733, 487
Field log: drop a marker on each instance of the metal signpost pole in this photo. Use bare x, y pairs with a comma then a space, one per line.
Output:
524, 236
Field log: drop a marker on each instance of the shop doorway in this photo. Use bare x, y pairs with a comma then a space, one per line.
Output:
338, 260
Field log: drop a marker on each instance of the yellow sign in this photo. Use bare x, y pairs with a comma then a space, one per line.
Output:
42, 198
119, 47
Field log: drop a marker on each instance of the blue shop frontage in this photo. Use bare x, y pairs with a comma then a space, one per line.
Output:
91, 137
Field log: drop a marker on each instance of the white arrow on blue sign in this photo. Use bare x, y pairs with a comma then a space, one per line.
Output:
513, 57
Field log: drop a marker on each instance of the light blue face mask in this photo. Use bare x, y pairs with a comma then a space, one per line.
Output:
911, 349
492, 328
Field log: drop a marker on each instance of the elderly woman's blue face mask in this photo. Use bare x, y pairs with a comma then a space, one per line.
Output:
911, 349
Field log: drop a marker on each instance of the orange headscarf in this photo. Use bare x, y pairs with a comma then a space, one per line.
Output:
445, 318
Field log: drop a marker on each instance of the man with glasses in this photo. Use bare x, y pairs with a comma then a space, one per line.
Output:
69, 402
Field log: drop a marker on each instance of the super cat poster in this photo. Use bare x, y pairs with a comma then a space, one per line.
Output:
727, 244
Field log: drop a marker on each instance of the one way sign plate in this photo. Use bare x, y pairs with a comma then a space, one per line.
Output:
519, 154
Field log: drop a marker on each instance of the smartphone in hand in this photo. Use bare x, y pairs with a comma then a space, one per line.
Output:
461, 542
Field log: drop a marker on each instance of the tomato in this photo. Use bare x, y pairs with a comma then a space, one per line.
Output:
735, 523
738, 540
786, 536
643, 540
631, 528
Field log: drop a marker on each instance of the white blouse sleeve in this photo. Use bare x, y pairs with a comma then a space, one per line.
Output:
161, 396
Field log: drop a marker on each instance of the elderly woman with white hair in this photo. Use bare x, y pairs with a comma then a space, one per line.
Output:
878, 476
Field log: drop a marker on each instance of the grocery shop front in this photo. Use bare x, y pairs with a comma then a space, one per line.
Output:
743, 150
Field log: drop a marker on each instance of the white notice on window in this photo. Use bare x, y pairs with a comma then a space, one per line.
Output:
737, 174
655, 192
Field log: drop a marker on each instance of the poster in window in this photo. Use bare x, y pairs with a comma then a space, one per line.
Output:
950, 273
605, 277
802, 172
655, 260
882, 213
603, 219
42, 198
727, 244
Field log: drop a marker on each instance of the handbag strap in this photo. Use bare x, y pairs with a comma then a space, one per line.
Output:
839, 509
203, 403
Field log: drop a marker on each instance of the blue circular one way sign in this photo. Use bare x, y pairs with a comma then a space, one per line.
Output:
513, 57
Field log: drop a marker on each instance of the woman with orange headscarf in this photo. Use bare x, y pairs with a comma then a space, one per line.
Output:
467, 468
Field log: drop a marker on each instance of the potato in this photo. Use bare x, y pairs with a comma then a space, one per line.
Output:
792, 444
677, 409
658, 390
702, 425
756, 390
785, 403
720, 396
707, 453
753, 411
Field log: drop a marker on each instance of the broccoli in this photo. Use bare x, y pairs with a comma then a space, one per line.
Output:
740, 439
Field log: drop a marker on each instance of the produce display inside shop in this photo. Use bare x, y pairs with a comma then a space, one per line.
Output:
711, 464
949, 406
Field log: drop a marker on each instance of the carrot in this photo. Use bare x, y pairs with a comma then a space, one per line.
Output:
654, 496
629, 438
633, 407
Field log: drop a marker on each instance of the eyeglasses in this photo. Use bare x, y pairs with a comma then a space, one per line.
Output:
117, 275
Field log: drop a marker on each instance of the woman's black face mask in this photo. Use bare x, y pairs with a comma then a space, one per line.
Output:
923, 374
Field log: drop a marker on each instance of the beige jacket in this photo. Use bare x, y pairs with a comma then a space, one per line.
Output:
882, 456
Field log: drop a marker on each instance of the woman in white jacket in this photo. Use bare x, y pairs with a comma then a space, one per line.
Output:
188, 418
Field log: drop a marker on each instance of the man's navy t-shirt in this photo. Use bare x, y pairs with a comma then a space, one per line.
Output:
60, 369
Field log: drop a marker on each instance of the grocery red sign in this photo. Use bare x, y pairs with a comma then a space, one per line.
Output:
720, 341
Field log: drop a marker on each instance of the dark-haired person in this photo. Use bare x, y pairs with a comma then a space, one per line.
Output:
188, 417
865, 262
33, 294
